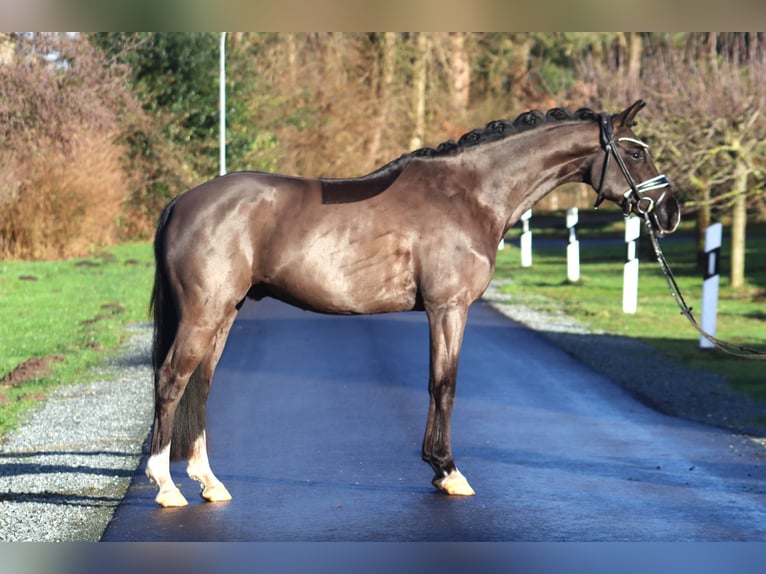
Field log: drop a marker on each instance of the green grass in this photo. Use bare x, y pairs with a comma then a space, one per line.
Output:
74, 309
596, 300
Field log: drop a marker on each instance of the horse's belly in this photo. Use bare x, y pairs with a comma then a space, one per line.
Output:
367, 286
330, 278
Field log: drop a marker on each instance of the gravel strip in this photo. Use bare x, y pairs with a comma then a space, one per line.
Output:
65, 471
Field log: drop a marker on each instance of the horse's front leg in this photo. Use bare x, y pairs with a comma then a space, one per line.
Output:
447, 324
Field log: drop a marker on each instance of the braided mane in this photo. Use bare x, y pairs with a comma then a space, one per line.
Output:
500, 129
494, 130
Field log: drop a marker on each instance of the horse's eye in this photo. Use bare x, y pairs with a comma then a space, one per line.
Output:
637, 155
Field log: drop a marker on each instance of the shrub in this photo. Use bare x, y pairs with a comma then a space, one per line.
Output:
63, 177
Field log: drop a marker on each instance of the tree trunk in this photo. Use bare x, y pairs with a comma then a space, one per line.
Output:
739, 226
420, 81
703, 222
385, 95
713, 54
7, 49
519, 72
292, 58
635, 51
460, 71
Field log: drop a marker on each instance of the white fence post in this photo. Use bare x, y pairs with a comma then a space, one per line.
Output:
710, 284
630, 275
526, 239
573, 247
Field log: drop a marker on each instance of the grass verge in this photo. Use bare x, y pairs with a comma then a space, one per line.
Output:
596, 300
60, 318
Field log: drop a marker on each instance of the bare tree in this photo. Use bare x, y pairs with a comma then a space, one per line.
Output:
708, 96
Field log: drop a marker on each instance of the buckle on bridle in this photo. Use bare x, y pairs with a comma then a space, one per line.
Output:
641, 210
634, 193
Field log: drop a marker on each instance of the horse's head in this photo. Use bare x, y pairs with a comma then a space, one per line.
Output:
625, 174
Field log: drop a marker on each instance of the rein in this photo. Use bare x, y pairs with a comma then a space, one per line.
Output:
739, 351
633, 197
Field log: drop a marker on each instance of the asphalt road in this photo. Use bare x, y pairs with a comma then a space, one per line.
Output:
315, 425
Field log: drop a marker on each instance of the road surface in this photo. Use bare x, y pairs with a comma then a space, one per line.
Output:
315, 425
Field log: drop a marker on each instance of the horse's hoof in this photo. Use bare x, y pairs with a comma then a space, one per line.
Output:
171, 499
215, 493
454, 484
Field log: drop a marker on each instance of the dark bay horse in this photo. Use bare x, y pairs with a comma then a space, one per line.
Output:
420, 233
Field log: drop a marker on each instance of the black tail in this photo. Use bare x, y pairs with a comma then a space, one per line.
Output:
189, 420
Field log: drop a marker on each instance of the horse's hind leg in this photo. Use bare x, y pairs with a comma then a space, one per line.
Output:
447, 324
191, 343
198, 467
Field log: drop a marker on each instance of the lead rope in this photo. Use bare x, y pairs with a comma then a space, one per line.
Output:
729, 348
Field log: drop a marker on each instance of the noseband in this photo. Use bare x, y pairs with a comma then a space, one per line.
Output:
632, 197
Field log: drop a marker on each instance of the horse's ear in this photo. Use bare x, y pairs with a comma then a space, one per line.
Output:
626, 117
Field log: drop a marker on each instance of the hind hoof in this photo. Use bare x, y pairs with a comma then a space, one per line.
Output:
454, 484
216, 493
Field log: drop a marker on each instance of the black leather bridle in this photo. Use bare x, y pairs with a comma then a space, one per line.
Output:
643, 206
632, 197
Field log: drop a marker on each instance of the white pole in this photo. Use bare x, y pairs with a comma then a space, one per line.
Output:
573, 247
222, 101
630, 274
710, 284
526, 239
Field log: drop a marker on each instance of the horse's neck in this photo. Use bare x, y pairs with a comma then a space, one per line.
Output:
522, 169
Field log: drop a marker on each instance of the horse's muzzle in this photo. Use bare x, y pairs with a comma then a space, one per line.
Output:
666, 216
662, 210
